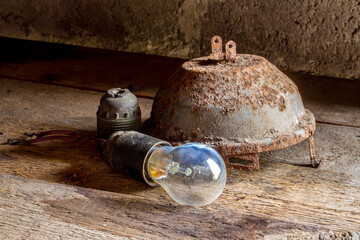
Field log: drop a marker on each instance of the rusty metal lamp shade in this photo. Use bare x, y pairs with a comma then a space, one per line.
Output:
240, 104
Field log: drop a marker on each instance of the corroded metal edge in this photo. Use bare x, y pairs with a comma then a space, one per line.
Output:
222, 89
228, 148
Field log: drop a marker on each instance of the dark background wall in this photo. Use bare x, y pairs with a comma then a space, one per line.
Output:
320, 37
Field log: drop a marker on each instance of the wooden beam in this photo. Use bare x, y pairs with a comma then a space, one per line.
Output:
280, 200
332, 100
44, 210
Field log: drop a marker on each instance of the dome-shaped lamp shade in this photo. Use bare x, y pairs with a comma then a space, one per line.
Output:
240, 104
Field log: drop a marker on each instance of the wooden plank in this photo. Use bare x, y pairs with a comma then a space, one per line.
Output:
43, 210
332, 100
339, 146
84, 68
279, 200
43, 103
252, 205
47, 104
70, 108
26, 213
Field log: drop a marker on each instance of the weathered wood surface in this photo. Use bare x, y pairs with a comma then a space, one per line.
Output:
84, 68
45, 103
279, 201
332, 100
339, 146
39, 210
66, 107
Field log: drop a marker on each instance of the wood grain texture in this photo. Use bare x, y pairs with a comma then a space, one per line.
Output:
64, 189
339, 146
43, 103
332, 100
335, 101
244, 211
85, 68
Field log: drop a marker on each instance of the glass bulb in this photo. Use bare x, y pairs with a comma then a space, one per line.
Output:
192, 174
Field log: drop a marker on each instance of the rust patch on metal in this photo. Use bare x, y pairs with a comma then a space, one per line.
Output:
230, 51
240, 107
314, 162
222, 85
217, 53
216, 49
237, 147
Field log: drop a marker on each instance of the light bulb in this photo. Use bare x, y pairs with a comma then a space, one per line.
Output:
192, 174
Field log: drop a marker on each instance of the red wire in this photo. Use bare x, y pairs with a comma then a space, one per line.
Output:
55, 132
50, 138
47, 136
53, 135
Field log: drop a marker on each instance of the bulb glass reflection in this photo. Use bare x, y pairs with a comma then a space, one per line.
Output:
192, 174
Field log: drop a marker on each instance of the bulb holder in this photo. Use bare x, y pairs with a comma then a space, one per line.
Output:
126, 152
118, 111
